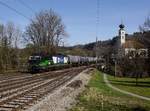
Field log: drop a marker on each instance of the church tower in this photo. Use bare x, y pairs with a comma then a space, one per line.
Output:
122, 34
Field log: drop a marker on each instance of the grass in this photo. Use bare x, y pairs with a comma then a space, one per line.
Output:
99, 97
129, 84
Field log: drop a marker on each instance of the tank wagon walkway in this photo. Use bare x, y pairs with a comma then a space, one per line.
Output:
122, 91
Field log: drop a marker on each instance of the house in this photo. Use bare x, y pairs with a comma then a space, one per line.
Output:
130, 47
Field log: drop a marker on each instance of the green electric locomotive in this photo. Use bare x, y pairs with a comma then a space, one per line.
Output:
37, 63
45, 62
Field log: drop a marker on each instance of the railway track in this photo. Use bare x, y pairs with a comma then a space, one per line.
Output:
19, 93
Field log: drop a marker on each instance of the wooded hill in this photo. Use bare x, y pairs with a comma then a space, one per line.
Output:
107, 46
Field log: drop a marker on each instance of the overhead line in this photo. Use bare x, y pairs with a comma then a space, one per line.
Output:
13, 9
27, 6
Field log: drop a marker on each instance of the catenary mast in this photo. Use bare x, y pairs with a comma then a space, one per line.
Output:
97, 29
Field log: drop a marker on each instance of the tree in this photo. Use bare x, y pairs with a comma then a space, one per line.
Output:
1, 46
46, 31
145, 32
9, 37
146, 26
133, 64
16, 40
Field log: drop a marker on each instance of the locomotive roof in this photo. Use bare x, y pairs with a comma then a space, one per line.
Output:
40, 54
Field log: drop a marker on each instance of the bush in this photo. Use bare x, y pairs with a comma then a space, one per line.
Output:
132, 67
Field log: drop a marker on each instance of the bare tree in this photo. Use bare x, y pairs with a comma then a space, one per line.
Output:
16, 40
9, 37
145, 34
146, 26
46, 30
1, 46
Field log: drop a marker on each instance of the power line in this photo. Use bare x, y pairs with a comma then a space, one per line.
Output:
26, 5
13, 9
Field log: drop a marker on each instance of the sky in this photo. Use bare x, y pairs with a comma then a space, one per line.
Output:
79, 16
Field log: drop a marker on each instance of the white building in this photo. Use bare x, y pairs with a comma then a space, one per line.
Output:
122, 34
130, 48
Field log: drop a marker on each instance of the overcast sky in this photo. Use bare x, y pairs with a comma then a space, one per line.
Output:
79, 16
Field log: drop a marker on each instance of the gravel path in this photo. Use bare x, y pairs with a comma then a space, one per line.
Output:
63, 98
122, 91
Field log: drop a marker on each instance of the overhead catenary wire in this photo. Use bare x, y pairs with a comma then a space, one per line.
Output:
26, 5
14, 10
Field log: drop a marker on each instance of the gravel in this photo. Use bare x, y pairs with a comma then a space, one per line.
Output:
63, 97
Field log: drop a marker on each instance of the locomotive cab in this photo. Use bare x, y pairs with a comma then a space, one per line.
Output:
39, 63
33, 63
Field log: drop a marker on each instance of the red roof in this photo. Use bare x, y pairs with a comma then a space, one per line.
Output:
133, 44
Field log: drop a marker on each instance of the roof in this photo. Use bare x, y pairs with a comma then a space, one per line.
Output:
121, 26
133, 44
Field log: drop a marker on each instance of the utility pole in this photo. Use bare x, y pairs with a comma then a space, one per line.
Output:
97, 30
115, 68
96, 53
63, 44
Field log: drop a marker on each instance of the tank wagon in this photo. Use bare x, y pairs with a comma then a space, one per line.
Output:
37, 63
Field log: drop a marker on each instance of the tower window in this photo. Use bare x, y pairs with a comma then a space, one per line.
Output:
122, 37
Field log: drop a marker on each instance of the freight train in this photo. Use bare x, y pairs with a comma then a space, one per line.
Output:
38, 63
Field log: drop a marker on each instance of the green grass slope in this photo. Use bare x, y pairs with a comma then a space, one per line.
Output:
99, 97
129, 84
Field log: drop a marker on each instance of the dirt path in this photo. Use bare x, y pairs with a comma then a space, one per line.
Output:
122, 91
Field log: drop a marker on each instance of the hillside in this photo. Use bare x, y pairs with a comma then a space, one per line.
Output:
107, 46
